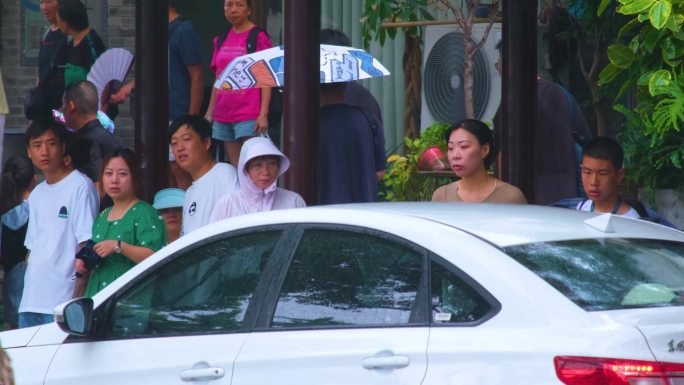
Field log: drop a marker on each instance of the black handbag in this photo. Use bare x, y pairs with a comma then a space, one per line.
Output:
35, 103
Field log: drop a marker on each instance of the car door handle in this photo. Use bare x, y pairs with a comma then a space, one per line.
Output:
387, 362
202, 374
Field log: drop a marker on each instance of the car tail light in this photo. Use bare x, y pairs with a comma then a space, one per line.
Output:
611, 371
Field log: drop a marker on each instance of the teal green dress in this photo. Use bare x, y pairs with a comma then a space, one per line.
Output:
140, 226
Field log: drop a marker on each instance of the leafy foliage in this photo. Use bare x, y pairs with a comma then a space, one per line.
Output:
402, 182
378, 11
649, 61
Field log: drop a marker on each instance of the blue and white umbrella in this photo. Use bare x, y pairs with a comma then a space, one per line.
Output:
266, 68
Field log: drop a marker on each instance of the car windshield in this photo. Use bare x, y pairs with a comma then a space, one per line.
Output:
607, 274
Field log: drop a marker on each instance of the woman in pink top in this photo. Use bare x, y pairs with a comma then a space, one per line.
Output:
237, 115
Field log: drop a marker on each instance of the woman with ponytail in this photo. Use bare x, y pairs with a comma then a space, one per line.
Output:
18, 179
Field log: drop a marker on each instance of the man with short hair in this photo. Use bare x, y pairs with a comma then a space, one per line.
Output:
190, 138
561, 126
185, 68
63, 208
602, 174
346, 155
92, 142
358, 96
185, 65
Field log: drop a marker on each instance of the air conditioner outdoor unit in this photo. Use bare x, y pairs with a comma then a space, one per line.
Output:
443, 92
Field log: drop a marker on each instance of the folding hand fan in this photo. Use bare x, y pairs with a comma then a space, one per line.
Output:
109, 71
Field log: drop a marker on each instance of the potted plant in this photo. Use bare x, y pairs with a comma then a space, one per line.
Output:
649, 65
404, 180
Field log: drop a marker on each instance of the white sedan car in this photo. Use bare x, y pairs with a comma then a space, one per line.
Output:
416, 293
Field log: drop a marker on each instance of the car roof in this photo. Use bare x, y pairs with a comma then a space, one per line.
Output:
500, 224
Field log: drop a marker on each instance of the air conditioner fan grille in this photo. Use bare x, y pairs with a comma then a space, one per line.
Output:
443, 80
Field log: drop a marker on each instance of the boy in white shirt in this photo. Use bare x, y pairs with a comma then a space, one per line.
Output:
63, 208
190, 138
602, 174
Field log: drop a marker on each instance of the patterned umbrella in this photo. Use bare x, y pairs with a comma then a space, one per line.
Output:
265, 68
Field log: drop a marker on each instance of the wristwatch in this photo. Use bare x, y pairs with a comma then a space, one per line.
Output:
117, 248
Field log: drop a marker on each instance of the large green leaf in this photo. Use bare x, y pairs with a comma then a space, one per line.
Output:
674, 23
602, 7
659, 13
644, 78
651, 38
620, 56
671, 48
627, 27
659, 81
608, 74
636, 6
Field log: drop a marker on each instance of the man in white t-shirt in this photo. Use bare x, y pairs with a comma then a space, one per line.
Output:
190, 138
602, 174
62, 210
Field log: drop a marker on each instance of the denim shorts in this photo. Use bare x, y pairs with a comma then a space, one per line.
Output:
233, 131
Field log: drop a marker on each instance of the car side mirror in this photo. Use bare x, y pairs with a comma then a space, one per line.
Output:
76, 316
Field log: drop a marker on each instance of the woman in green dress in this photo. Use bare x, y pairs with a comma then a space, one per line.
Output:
126, 233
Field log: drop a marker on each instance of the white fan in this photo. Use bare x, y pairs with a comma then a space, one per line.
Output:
109, 71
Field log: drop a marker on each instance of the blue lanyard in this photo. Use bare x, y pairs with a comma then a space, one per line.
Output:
615, 209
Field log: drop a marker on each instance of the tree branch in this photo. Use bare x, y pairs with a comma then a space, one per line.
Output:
580, 57
458, 13
593, 72
492, 17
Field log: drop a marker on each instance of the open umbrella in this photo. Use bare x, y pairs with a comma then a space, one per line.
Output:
265, 68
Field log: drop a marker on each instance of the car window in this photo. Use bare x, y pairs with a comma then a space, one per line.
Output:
206, 290
605, 274
454, 300
341, 278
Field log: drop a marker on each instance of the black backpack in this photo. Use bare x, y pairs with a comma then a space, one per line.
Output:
275, 108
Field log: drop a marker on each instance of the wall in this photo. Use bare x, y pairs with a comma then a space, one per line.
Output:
21, 27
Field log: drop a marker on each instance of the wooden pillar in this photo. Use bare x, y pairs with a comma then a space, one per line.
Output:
151, 95
519, 94
301, 104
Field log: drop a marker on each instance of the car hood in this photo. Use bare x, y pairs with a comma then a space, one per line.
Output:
48, 334
663, 329
17, 338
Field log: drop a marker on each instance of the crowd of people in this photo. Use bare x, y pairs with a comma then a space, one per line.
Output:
87, 206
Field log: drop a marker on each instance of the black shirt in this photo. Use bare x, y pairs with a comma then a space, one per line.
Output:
51, 60
81, 57
91, 144
346, 156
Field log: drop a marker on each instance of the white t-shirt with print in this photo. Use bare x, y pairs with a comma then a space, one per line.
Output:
203, 194
61, 217
586, 206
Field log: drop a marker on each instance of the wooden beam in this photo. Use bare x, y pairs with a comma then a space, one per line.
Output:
302, 21
519, 94
402, 24
151, 95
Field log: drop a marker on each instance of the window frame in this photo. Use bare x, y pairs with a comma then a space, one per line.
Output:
102, 316
495, 305
420, 312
